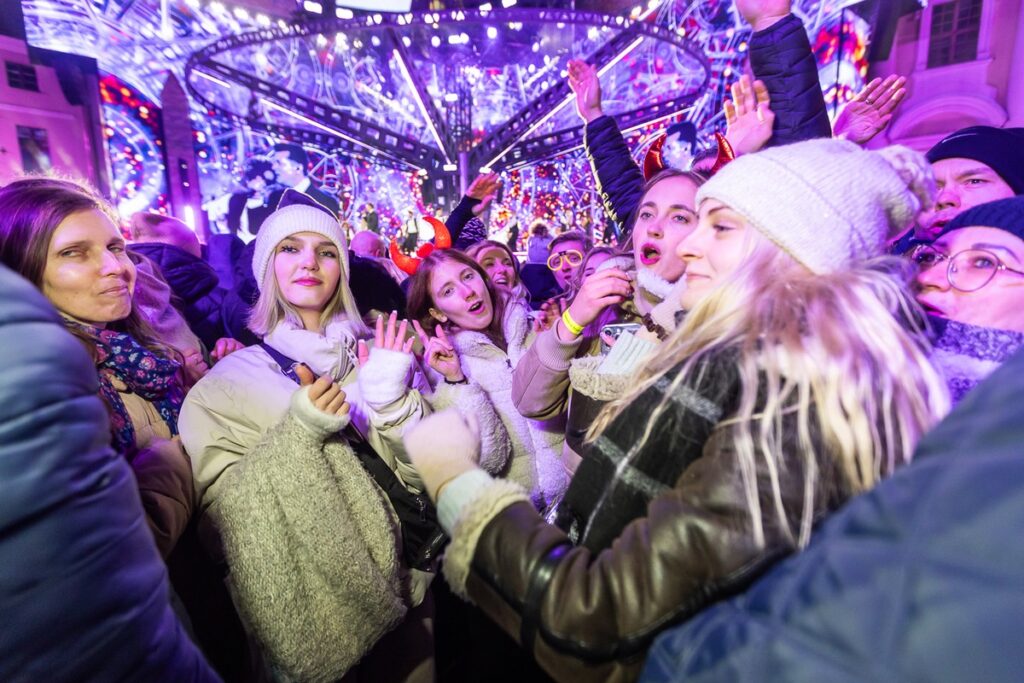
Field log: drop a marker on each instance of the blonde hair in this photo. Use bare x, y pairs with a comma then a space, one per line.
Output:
829, 349
271, 308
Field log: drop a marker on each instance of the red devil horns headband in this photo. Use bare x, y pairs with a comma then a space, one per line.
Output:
654, 161
442, 240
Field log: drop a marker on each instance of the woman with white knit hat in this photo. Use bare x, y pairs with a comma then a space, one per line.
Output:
790, 386
310, 539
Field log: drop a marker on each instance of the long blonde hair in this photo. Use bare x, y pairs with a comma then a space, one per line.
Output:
272, 308
844, 352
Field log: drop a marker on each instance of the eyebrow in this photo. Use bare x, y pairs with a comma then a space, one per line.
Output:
988, 245
979, 170
673, 207
299, 240
719, 208
70, 245
451, 282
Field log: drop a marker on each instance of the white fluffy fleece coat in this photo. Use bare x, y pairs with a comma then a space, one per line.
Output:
535, 461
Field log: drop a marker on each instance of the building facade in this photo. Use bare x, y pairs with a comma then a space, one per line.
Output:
964, 61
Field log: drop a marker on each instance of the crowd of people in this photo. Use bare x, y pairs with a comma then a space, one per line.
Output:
722, 449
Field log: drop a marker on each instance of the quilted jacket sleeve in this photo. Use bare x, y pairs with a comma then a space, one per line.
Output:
619, 180
781, 57
459, 217
84, 592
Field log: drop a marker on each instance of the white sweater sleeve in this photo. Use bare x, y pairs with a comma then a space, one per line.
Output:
382, 397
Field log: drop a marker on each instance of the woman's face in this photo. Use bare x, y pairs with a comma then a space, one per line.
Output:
308, 269
665, 216
460, 296
88, 275
593, 262
713, 251
998, 304
499, 267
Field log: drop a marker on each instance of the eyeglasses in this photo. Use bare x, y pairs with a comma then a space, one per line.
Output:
967, 271
571, 256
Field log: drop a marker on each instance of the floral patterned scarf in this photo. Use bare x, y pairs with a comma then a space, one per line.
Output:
144, 373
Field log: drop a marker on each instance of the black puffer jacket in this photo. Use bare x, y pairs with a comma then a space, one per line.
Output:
920, 579
83, 591
780, 56
195, 283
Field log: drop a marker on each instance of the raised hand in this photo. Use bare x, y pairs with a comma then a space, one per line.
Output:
549, 313
584, 82
748, 116
761, 14
599, 291
325, 393
224, 347
392, 337
483, 186
870, 111
442, 447
440, 354
484, 204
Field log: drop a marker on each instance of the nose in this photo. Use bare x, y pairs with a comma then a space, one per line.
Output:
691, 247
948, 198
309, 260
655, 230
933, 277
465, 291
111, 264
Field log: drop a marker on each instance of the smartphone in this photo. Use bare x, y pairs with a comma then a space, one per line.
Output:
615, 331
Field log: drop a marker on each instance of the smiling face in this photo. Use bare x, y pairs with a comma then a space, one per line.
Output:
88, 275
307, 267
713, 251
962, 184
499, 267
460, 297
665, 217
1000, 303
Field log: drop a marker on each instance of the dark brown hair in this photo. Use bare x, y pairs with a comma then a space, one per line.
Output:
572, 236
421, 299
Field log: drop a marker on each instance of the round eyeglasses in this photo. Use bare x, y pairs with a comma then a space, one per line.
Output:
571, 256
967, 271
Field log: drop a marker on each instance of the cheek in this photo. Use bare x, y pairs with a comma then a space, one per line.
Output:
675, 235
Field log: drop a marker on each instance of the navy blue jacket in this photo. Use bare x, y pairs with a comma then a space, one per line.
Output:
195, 283
83, 591
920, 579
780, 56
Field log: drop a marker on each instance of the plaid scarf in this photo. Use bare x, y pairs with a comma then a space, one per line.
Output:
142, 372
613, 484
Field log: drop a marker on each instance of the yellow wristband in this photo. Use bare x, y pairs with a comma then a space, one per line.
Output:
575, 329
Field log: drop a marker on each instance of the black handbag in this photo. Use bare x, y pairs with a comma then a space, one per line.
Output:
422, 536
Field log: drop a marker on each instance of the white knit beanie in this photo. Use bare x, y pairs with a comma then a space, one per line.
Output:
296, 212
826, 202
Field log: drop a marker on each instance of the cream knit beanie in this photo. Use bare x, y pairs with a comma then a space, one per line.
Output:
296, 212
826, 202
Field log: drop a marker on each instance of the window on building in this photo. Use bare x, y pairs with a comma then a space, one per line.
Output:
955, 29
22, 76
34, 144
